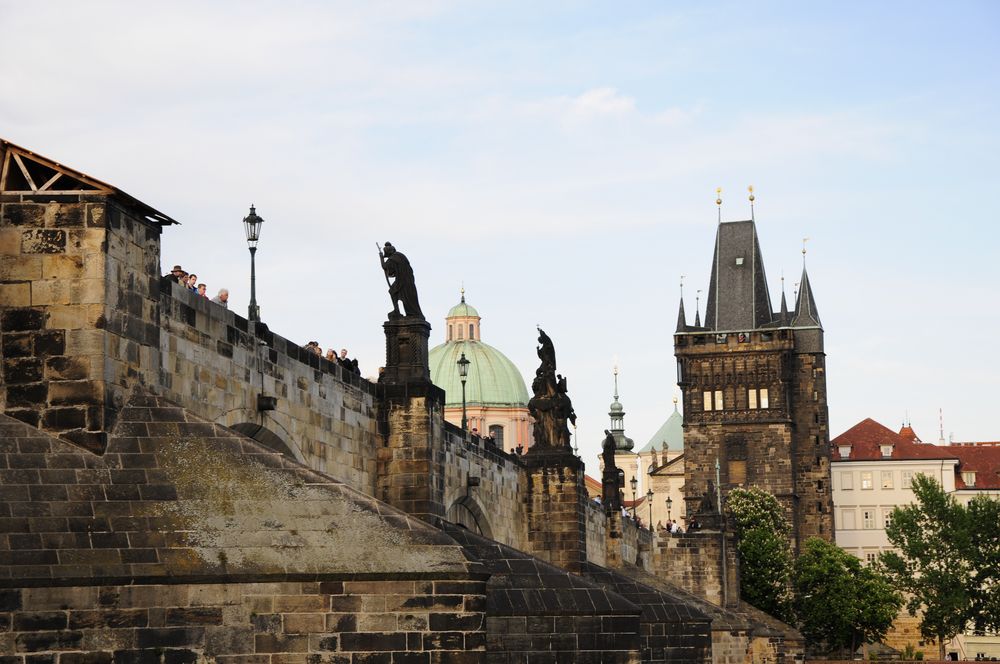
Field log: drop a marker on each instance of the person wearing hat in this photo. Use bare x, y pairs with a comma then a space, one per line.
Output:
175, 275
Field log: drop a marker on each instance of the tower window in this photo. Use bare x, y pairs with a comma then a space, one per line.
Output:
460, 332
737, 472
763, 398
472, 331
496, 433
708, 400
752, 398
757, 398
451, 332
718, 399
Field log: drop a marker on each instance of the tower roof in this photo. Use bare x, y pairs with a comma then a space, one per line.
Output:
738, 297
806, 314
669, 436
681, 318
462, 309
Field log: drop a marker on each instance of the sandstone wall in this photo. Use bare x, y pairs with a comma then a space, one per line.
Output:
495, 506
215, 364
597, 526
694, 562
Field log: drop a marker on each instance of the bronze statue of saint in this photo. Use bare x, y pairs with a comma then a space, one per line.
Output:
403, 289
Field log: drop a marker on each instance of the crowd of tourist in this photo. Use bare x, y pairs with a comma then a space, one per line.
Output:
179, 275
349, 364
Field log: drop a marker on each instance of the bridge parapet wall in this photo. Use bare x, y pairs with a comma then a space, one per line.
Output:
216, 363
496, 505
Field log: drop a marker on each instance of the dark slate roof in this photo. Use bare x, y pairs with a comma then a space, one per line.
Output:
656, 605
523, 585
178, 498
738, 298
681, 318
806, 314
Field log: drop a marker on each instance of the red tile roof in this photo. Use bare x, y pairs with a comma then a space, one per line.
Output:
867, 437
907, 432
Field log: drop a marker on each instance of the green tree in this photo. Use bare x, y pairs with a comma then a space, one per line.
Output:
840, 603
933, 561
764, 550
984, 563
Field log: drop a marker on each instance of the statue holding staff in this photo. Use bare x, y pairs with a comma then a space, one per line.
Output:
403, 289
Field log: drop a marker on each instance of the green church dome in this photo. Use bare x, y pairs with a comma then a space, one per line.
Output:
493, 380
670, 435
462, 309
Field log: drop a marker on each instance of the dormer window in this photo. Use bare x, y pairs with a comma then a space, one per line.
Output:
886, 451
845, 451
969, 477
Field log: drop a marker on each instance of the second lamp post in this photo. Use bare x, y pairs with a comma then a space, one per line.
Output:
463, 373
252, 224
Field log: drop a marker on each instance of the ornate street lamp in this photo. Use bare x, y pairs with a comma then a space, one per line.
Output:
649, 499
252, 224
670, 504
635, 484
463, 373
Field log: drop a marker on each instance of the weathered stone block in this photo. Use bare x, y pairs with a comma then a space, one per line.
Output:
43, 241
16, 320
23, 214
29, 395
16, 295
20, 268
10, 241
64, 215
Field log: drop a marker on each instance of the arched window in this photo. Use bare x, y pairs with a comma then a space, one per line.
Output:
496, 433
451, 332
459, 331
472, 330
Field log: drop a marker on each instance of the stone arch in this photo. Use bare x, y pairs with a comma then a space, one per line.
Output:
467, 513
266, 437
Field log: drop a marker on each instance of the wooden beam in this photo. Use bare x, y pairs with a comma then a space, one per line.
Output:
27, 175
51, 180
3, 169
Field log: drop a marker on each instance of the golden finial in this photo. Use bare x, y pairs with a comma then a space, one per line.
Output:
463, 291
675, 399
804, 240
750, 189
718, 195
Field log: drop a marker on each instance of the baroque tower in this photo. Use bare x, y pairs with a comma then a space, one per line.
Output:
754, 389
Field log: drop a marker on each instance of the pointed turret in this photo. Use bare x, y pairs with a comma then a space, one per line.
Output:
806, 314
783, 318
738, 298
697, 318
681, 318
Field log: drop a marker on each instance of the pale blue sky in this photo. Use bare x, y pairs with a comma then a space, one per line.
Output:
561, 159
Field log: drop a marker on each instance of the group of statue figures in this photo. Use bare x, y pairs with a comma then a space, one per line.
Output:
550, 406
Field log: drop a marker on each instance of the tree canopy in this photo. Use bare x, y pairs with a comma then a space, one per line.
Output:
764, 550
946, 560
840, 603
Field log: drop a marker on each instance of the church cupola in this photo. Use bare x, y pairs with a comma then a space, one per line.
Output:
462, 322
617, 415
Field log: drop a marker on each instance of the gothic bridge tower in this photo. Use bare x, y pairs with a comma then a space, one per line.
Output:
754, 390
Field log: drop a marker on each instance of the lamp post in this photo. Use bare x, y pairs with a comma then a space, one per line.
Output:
252, 224
670, 504
635, 484
649, 499
463, 373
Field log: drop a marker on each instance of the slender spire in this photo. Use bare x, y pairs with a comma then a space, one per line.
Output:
617, 415
806, 314
718, 201
681, 317
941, 427
697, 308
463, 293
783, 316
750, 189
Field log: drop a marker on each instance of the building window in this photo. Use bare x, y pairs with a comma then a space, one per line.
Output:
907, 478
752, 398
969, 477
870, 557
886, 479
886, 517
496, 433
844, 451
886, 450
718, 399
708, 400
866, 480
847, 481
847, 519
737, 472
472, 331
459, 331
868, 518
763, 397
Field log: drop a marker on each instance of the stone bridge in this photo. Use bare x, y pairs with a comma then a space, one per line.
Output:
190, 446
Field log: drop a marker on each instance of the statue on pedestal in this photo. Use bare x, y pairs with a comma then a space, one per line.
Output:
404, 288
550, 406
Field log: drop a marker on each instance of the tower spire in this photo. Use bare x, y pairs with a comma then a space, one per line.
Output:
697, 308
681, 316
617, 414
783, 316
718, 201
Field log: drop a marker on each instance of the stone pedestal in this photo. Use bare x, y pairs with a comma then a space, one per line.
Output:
556, 500
406, 342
